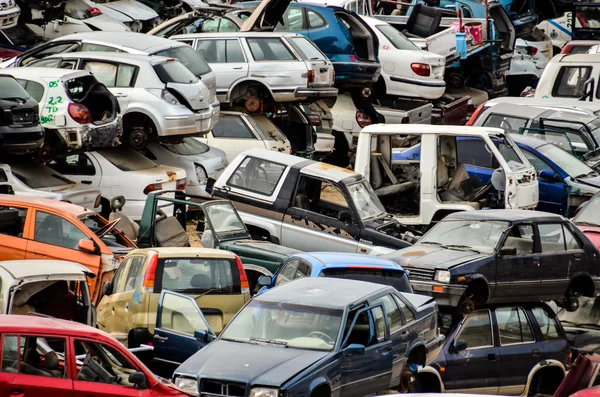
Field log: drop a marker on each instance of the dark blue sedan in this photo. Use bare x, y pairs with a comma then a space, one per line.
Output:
338, 265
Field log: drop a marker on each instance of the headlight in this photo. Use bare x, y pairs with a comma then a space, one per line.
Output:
188, 385
263, 392
201, 175
443, 276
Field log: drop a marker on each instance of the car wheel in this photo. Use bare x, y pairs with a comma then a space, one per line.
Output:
46, 153
466, 306
138, 139
571, 304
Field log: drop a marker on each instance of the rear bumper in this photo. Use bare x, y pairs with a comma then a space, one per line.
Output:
449, 295
356, 72
325, 92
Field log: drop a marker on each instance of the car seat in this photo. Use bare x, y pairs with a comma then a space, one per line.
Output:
423, 21
200, 281
207, 240
49, 231
50, 365
168, 232
301, 201
126, 224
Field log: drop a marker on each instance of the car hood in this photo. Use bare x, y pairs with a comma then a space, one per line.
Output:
106, 24
266, 16
584, 339
431, 257
265, 365
591, 181
75, 193
261, 249
591, 232
132, 9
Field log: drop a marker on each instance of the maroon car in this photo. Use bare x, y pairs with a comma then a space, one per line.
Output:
587, 220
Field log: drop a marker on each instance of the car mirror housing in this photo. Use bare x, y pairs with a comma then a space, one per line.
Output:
547, 175
264, 281
508, 251
107, 288
201, 335
459, 345
345, 217
139, 380
210, 183
355, 349
86, 246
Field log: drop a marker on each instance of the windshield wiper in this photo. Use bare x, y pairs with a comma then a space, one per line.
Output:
431, 242
460, 247
269, 341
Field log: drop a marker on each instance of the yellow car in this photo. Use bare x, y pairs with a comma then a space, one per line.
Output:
215, 279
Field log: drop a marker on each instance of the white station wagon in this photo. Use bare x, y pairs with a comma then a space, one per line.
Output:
253, 67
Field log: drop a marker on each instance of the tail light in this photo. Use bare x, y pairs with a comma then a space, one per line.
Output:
94, 12
532, 51
353, 58
244, 285
80, 113
363, 119
422, 69
333, 76
315, 120
180, 184
475, 114
150, 274
152, 187
98, 201
311, 76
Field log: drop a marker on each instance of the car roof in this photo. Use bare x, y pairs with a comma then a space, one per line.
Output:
40, 267
531, 141
43, 325
112, 56
236, 34
337, 259
567, 103
414, 129
328, 171
514, 110
76, 210
531, 112
138, 41
185, 252
504, 215
322, 292
583, 58
53, 73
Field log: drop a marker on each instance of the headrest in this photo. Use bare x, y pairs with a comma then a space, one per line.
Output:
117, 203
51, 360
200, 281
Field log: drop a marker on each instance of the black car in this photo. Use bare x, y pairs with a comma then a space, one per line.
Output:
508, 349
20, 129
493, 256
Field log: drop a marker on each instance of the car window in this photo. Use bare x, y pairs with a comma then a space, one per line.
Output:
118, 278
314, 19
134, 273
536, 162
98, 47
571, 242
33, 88
363, 333
25, 355
291, 20
189, 58
45, 63
570, 81
407, 314
230, 126
551, 237
513, 326
477, 330
54, 230
474, 152
58, 48
392, 277
212, 51
320, 197
509, 124
127, 159
101, 362
181, 314
74, 164
105, 72
257, 175
68, 64
378, 316
125, 74
174, 72
189, 147
288, 272
12, 221
521, 238
228, 26
269, 49
234, 51
392, 310
303, 270
398, 40
547, 323
210, 26
200, 275
307, 49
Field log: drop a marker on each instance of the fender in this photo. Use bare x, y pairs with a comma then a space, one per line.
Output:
136, 108
478, 276
413, 347
538, 366
428, 369
583, 274
318, 381
258, 269
242, 81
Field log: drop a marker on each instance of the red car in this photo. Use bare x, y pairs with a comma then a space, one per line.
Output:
44, 356
587, 220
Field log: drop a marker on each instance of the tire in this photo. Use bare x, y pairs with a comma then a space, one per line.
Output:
137, 139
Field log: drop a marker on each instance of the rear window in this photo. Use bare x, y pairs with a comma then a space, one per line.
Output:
127, 159
39, 176
189, 58
307, 49
270, 49
11, 89
393, 278
174, 72
570, 82
199, 275
188, 147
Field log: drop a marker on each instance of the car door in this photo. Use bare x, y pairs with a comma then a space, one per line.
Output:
518, 347
552, 190
27, 372
227, 60
13, 242
181, 329
313, 221
233, 135
119, 78
107, 321
126, 304
368, 373
79, 167
561, 256
475, 369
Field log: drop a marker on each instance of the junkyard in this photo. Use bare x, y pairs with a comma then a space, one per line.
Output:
299, 198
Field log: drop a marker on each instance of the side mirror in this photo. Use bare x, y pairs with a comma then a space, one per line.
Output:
459, 345
201, 335
508, 251
86, 246
345, 217
265, 281
548, 175
107, 288
355, 349
210, 183
138, 379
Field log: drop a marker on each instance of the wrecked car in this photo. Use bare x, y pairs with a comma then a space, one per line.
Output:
320, 337
583, 326
308, 205
587, 219
76, 111
473, 258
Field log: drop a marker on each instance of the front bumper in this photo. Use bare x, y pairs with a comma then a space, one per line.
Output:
444, 294
324, 92
433, 348
21, 140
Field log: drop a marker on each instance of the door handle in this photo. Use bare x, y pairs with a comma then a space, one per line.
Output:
86, 182
161, 338
16, 393
536, 260
120, 95
535, 352
237, 68
404, 334
491, 357
40, 253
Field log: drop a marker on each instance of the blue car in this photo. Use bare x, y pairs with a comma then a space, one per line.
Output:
564, 181
318, 337
338, 265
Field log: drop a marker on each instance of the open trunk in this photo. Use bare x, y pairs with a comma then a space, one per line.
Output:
87, 91
363, 39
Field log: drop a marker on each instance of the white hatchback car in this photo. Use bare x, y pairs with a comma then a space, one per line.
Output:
121, 171
76, 111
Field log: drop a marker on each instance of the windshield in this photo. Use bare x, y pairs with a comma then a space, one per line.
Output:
587, 215
397, 39
286, 324
200, 275
481, 236
587, 313
365, 200
39, 176
189, 58
11, 89
189, 147
572, 166
224, 220
127, 159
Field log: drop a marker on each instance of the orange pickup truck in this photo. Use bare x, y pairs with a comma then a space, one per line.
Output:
32, 228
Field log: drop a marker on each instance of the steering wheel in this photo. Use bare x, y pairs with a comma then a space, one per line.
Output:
323, 336
104, 230
481, 192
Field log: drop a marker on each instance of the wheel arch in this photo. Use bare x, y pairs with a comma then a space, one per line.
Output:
320, 387
541, 368
582, 282
246, 82
431, 373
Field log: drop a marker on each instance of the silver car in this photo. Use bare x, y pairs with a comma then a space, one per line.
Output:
157, 95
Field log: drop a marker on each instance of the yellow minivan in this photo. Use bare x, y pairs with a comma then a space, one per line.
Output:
215, 279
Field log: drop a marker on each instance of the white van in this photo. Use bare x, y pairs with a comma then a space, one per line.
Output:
571, 76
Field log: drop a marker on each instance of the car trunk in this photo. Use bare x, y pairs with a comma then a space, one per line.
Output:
266, 16
182, 83
363, 40
87, 91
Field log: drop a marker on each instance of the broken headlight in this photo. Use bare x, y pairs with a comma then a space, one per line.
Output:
188, 385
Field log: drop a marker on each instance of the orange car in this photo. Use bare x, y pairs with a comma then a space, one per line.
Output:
32, 228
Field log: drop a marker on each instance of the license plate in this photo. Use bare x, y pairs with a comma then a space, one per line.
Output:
323, 78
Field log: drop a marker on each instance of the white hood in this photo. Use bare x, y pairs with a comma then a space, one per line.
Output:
106, 23
130, 8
